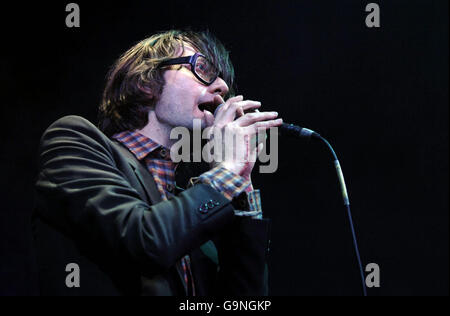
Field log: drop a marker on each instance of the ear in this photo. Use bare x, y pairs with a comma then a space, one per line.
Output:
147, 90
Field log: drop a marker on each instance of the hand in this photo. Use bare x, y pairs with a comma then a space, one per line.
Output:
234, 137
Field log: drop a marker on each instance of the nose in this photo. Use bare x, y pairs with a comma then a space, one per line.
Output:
219, 86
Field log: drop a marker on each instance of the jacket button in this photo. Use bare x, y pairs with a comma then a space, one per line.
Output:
163, 153
202, 209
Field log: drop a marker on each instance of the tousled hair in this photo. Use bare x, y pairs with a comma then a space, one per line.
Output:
135, 82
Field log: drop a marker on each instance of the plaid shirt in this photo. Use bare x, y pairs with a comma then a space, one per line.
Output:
158, 163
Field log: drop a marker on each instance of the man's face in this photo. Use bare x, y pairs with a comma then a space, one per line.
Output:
183, 93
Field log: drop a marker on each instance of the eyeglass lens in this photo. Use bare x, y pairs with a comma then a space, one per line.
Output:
205, 69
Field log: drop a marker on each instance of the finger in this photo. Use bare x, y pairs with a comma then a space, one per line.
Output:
240, 107
258, 139
262, 126
243, 106
218, 109
255, 149
259, 149
230, 110
249, 105
218, 99
261, 137
232, 100
240, 112
209, 118
224, 105
251, 118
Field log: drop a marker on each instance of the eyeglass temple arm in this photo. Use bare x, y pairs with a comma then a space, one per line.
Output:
178, 61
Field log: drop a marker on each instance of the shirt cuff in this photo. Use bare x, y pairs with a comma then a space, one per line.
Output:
234, 188
225, 181
254, 206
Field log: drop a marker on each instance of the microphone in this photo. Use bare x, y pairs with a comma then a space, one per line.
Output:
288, 129
297, 131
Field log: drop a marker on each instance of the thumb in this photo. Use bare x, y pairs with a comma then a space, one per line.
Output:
209, 117
218, 102
218, 99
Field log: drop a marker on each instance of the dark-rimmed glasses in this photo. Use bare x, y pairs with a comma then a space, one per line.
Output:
201, 67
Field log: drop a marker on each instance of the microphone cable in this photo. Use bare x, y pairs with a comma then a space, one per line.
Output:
300, 132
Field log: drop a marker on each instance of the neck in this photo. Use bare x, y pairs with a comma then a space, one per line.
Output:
157, 131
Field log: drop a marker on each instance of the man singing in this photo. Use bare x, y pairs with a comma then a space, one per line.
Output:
113, 201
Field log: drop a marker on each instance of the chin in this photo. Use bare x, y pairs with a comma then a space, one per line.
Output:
197, 122
198, 116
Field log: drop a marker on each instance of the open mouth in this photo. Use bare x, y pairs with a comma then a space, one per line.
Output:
209, 106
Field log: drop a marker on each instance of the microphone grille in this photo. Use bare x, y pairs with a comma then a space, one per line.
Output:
297, 131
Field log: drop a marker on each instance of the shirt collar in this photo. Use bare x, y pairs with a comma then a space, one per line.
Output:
137, 143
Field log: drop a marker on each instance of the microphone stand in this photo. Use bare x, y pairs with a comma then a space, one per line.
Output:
300, 132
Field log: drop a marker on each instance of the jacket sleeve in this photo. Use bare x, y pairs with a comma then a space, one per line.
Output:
82, 193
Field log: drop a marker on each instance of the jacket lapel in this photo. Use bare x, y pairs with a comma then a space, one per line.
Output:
151, 195
146, 180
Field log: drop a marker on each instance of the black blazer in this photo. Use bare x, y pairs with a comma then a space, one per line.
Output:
98, 206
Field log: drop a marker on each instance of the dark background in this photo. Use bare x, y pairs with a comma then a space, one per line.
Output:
379, 95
